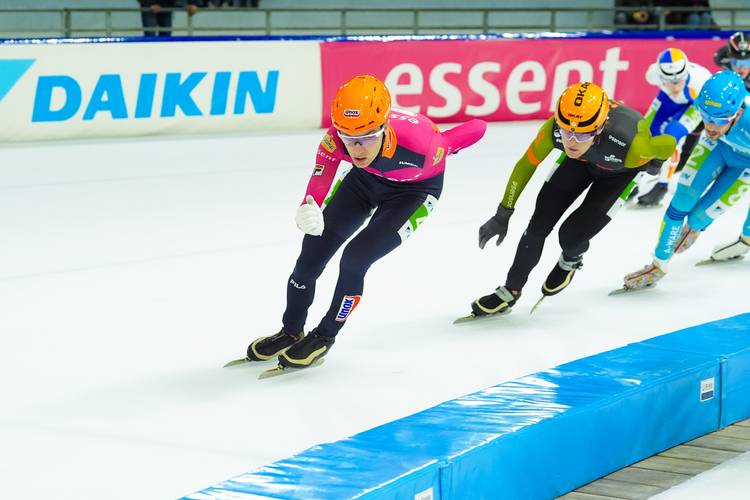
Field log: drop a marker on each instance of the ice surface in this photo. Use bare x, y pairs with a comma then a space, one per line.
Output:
131, 271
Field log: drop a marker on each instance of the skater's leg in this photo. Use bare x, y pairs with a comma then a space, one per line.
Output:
396, 218
603, 200
729, 188
597, 209
567, 182
344, 214
702, 168
393, 222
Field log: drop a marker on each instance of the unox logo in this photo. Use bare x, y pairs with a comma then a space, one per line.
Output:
348, 303
59, 98
351, 113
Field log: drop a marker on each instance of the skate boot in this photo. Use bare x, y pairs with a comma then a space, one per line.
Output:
734, 250
306, 351
500, 301
561, 275
686, 239
633, 193
646, 277
653, 197
265, 348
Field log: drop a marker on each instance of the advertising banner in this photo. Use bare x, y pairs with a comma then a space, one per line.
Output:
82, 90
501, 80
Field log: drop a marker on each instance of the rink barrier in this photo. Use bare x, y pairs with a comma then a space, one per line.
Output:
728, 341
576, 422
121, 87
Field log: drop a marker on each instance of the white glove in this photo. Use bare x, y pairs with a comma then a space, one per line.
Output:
309, 217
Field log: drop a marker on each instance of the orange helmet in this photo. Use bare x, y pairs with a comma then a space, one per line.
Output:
582, 107
361, 104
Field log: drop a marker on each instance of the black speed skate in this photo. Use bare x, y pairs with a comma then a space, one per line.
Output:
495, 304
561, 275
306, 351
265, 348
559, 278
653, 197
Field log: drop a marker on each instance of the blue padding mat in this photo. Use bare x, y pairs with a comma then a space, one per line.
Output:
728, 340
574, 423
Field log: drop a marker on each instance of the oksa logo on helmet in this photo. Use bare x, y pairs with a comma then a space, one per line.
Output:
581, 93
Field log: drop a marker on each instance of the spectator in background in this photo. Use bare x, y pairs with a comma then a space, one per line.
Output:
235, 3
640, 13
159, 14
699, 18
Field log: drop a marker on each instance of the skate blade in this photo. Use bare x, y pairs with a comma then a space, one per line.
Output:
715, 261
620, 291
282, 370
246, 360
237, 362
473, 317
537, 304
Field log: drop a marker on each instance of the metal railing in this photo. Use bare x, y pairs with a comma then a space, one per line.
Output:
355, 20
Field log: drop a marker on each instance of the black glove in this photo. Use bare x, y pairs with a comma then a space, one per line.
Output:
496, 226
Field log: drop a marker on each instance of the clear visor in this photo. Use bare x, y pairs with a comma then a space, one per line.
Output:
740, 63
578, 136
717, 121
365, 140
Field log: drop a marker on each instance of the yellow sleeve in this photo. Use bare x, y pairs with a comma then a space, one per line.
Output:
526, 166
646, 147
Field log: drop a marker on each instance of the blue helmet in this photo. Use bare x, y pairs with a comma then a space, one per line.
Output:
721, 96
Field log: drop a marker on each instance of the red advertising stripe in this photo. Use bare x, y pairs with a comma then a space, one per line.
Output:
500, 80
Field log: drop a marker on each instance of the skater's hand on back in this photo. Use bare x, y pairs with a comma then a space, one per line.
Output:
496, 226
309, 217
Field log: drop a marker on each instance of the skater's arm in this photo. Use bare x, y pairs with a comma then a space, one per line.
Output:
526, 166
690, 120
463, 136
651, 113
327, 160
646, 147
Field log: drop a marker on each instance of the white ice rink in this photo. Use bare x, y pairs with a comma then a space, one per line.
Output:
132, 270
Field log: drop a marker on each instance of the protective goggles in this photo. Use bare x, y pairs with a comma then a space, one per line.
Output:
577, 136
365, 140
717, 121
740, 63
672, 79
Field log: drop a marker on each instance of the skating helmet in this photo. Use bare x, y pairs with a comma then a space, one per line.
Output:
582, 107
739, 46
673, 65
721, 97
361, 104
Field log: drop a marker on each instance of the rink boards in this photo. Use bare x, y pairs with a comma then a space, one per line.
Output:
639, 399
122, 87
